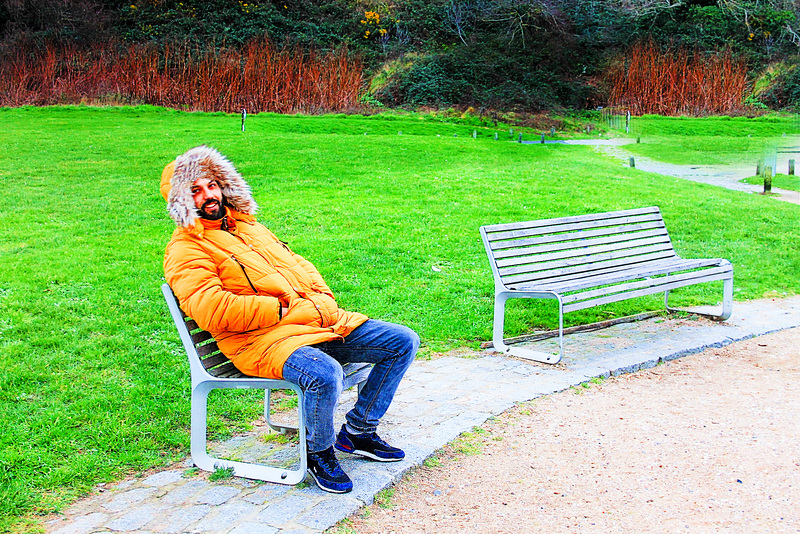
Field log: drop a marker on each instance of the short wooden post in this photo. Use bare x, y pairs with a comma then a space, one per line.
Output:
768, 179
520, 138
638, 140
511, 133
495, 136
552, 130
633, 163
758, 169
542, 138
474, 134
791, 167
244, 116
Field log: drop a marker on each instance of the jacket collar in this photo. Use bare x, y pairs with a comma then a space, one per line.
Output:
227, 223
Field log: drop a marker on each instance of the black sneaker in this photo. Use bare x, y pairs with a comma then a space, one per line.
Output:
368, 445
327, 472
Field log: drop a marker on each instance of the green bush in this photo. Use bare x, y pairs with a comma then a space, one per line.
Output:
791, 87
465, 78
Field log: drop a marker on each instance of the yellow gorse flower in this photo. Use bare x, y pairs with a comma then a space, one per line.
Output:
373, 19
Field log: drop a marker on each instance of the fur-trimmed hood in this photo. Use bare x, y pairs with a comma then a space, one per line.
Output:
203, 162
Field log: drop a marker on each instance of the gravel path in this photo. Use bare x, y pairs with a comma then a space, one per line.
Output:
706, 443
727, 176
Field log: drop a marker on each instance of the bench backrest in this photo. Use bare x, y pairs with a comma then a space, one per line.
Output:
204, 354
537, 252
214, 362
199, 344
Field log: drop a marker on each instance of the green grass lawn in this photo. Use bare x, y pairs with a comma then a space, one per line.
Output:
93, 381
781, 181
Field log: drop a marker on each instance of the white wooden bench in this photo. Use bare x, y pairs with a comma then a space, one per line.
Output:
590, 260
213, 370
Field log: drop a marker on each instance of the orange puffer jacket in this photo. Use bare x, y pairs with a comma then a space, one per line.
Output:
233, 276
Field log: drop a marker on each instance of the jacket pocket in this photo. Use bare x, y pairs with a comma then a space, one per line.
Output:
302, 311
244, 272
327, 308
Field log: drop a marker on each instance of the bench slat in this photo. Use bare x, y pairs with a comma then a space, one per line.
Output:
205, 350
574, 219
591, 280
622, 262
645, 282
580, 234
570, 227
580, 250
227, 370
648, 291
621, 233
355, 373
575, 263
200, 336
213, 360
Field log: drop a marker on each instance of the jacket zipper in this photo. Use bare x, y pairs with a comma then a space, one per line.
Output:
244, 272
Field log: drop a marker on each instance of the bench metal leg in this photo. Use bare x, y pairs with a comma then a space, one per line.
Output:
500, 300
204, 461
727, 303
283, 429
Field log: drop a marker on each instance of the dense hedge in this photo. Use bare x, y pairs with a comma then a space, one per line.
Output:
525, 54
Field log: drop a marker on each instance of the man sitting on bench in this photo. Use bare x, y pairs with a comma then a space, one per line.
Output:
273, 315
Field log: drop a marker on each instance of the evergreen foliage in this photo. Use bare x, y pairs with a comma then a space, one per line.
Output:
515, 54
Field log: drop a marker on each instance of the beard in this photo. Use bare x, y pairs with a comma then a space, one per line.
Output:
212, 214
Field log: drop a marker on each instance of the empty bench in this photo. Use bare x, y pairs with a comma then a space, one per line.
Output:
590, 260
213, 370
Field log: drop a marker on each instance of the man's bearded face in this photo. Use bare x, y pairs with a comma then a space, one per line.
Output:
208, 199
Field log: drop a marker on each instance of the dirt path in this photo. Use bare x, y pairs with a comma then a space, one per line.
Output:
706, 443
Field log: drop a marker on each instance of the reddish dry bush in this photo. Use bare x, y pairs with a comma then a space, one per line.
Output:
257, 77
676, 82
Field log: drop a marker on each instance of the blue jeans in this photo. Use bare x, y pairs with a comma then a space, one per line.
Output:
317, 369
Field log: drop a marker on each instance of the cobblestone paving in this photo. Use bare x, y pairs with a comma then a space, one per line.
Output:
438, 400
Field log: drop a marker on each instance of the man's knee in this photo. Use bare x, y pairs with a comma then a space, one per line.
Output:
317, 372
329, 378
411, 341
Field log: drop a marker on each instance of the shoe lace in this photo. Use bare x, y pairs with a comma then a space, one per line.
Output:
327, 461
375, 438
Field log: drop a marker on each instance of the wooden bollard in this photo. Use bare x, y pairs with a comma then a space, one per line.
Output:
758, 169
633, 163
768, 179
244, 116
520, 138
638, 140
552, 130
542, 138
791, 167
474, 134
495, 136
